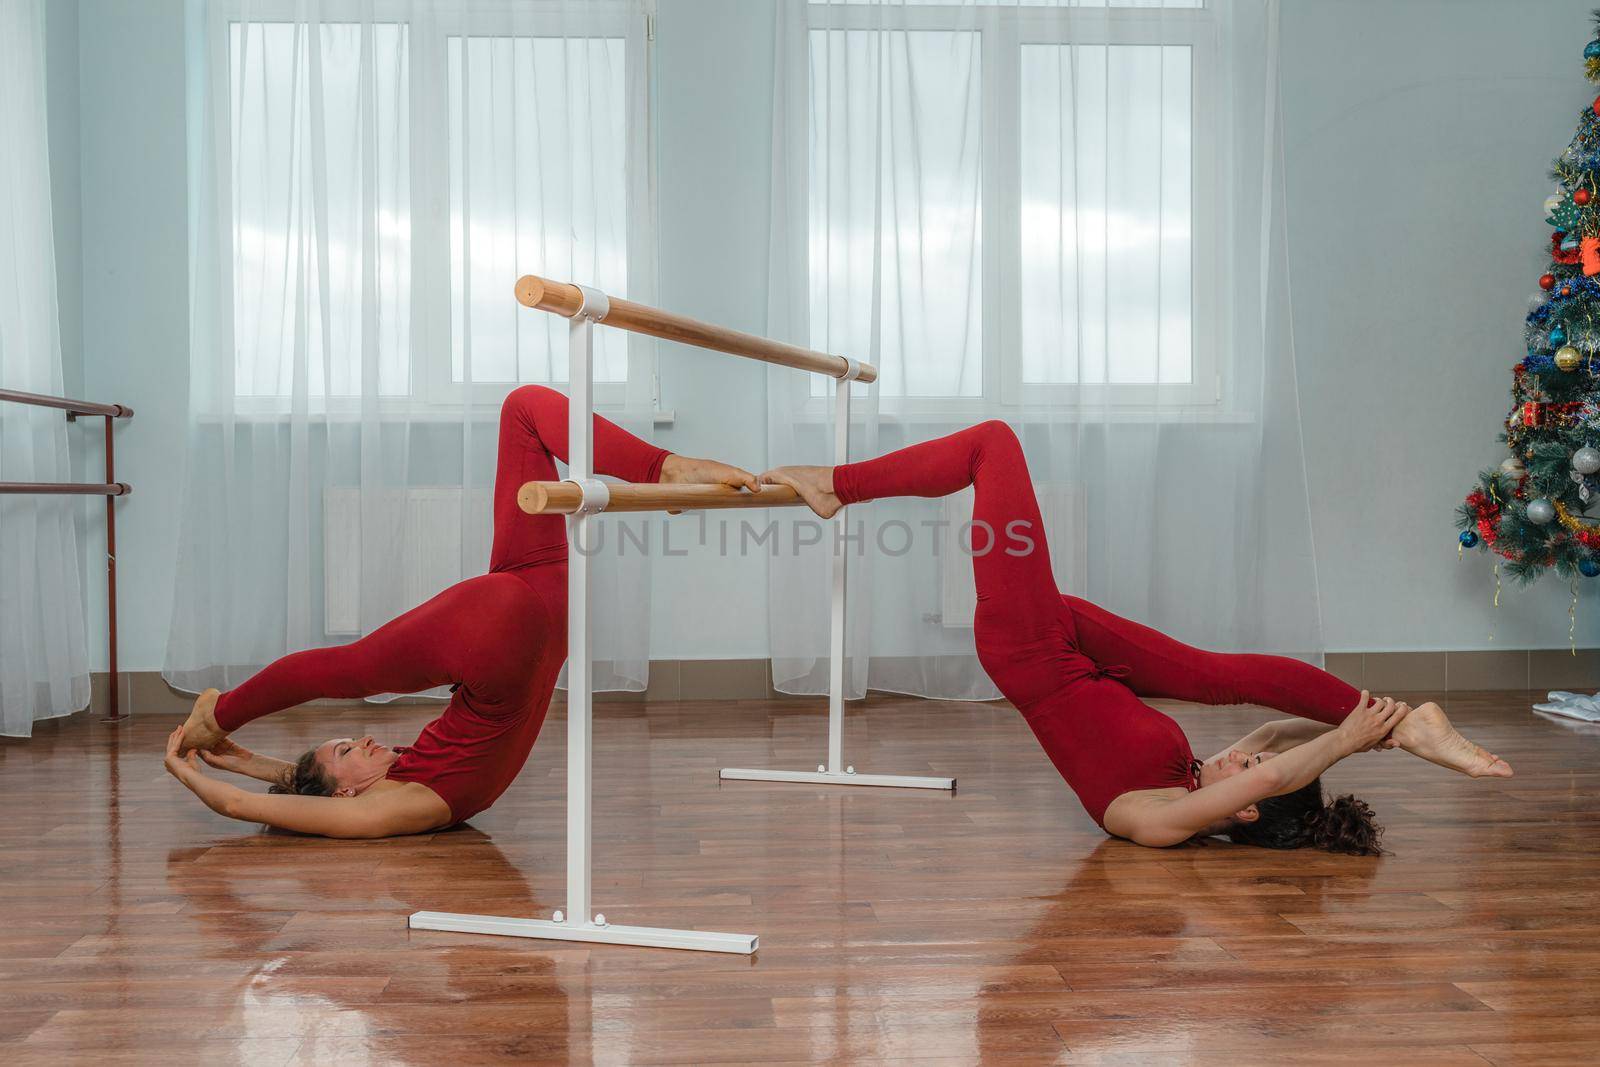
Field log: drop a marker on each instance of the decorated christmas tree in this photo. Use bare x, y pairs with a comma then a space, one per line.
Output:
1540, 510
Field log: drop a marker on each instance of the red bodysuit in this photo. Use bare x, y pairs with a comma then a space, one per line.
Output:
1075, 670
499, 638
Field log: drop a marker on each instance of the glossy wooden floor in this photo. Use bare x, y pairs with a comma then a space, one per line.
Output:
996, 925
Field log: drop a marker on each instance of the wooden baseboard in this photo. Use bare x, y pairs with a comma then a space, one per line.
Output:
751, 679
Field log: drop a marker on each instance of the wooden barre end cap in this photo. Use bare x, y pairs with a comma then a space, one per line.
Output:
530, 290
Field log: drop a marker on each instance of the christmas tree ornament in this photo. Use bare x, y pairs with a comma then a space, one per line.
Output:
1537, 509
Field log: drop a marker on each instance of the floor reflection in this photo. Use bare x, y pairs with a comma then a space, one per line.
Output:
338, 968
1138, 936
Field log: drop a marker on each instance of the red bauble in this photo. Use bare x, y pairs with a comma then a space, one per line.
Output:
1548, 281
1566, 290
1580, 195
1597, 105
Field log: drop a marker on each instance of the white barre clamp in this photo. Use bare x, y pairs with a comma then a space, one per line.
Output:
596, 495
595, 305
852, 370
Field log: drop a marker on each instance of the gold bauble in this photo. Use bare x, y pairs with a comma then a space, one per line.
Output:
1568, 358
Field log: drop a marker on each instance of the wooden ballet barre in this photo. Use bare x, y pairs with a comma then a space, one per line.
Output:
565, 498
563, 298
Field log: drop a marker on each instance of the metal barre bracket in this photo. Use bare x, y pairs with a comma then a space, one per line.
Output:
595, 306
596, 495
852, 369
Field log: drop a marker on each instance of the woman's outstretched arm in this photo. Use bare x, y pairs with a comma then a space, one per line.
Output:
229, 755
1163, 823
1280, 735
386, 813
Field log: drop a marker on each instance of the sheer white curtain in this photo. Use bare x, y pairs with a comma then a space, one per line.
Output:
1069, 216
369, 180
44, 668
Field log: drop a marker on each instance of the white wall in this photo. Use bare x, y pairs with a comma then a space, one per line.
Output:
1418, 133
1418, 139
715, 108
135, 301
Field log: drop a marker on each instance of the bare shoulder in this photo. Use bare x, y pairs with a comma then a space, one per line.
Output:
420, 808
1136, 816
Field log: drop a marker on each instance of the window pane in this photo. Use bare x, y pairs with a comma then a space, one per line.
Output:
538, 178
321, 209
895, 207
1106, 210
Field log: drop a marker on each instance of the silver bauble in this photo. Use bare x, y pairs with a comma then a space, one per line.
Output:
1541, 511
1586, 460
1511, 466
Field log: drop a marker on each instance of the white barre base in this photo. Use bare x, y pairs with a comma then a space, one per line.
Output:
644, 936
900, 781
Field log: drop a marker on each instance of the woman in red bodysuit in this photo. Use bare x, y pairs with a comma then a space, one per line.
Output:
498, 640
1077, 672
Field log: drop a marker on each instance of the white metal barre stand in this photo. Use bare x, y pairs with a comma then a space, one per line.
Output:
836, 771
579, 923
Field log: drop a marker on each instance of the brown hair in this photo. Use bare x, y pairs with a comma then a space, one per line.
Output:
1302, 819
307, 778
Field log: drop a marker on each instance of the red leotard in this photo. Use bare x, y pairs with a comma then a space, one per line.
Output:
1075, 670
499, 638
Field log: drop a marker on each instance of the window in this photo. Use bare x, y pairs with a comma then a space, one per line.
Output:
378, 234
1017, 184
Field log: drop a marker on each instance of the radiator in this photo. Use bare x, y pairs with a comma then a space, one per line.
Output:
1063, 508
425, 526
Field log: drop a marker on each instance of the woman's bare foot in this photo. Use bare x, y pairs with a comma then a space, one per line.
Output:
814, 484
687, 470
1426, 732
201, 729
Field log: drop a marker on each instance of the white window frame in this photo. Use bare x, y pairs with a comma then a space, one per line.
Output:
432, 384
1005, 29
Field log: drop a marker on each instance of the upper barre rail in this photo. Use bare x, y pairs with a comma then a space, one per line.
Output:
564, 298
74, 407
566, 498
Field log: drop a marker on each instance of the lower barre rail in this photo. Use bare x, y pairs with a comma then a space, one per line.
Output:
566, 498
66, 488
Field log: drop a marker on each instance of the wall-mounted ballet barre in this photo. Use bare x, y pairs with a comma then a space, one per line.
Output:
110, 489
583, 497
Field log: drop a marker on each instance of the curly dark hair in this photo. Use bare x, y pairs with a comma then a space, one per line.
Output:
1304, 819
307, 779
